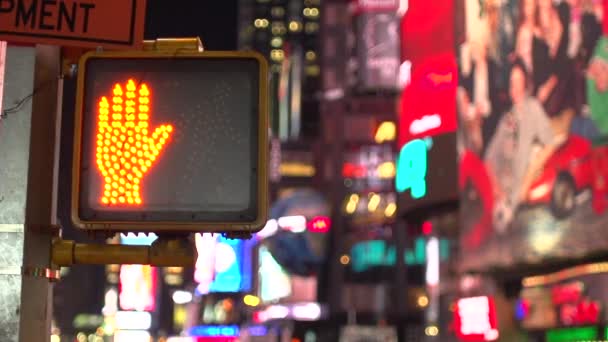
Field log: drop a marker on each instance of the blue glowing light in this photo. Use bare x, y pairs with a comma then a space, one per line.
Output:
233, 266
258, 330
215, 330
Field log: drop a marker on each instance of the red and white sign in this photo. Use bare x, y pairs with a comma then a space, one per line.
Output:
475, 319
428, 102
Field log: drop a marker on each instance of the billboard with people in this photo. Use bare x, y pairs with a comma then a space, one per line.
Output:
533, 122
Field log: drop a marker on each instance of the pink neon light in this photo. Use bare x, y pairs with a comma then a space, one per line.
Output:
319, 224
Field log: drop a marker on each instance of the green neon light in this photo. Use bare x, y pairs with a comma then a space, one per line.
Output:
411, 168
572, 334
377, 253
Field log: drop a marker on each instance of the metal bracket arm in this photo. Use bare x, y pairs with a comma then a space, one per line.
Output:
164, 252
174, 44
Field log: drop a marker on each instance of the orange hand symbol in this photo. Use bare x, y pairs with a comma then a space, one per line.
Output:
125, 148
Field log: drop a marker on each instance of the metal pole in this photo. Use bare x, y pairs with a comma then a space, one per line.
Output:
164, 252
401, 286
40, 203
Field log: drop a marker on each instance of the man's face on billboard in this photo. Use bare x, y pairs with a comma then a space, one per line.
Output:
518, 84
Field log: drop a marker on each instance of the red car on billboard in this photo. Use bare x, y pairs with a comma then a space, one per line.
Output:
574, 167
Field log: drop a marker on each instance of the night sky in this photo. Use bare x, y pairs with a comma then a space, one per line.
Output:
214, 21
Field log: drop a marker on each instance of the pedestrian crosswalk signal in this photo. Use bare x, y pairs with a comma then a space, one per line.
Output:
170, 141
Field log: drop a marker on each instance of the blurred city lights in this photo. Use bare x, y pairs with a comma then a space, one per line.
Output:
296, 224
345, 259
432, 262
386, 170
373, 203
387, 131
427, 228
390, 209
308, 311
182, 297
423, 301
431, 331
351, 206
133, 320
251, 300
260, 23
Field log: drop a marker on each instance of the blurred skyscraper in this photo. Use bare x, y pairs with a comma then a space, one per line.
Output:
286, 32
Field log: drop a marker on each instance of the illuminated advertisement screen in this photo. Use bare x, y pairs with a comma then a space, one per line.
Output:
533, 121
146, 121
138, 287
223, 265
572, 297
428, 103
427, 28
573, 334
426, 172
368, 254
378, 50
138, 282
273, 282
475, 319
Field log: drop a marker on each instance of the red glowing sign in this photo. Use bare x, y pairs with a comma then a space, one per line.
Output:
351, 170
126, 147
427, 228
574, 307
319, 224
584, 312
475, 319
428, 102
427, 28
567, 293
137, 287
439, 79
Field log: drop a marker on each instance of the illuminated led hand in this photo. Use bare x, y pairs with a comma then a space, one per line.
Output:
125, 148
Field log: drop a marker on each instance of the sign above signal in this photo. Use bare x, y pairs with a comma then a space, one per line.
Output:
171, 141
85, 23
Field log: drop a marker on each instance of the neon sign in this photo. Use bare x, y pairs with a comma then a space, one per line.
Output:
438, 79
377, 253
475, 319
412, 167
215, 330
126, 149
273, 282
319, 224
573, 334
223, 265
387, 131
425, 124
137, 287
